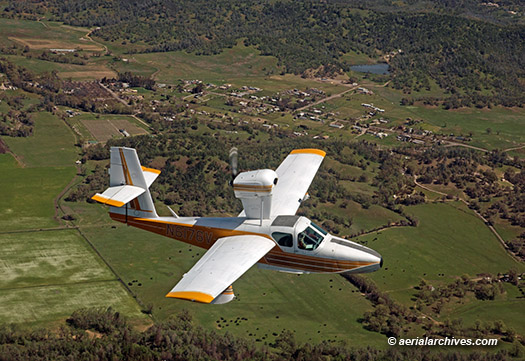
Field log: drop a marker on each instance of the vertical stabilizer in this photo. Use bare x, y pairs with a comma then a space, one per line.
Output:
128, 191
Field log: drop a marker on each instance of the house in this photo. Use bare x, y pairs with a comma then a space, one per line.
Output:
337, 125
381, 135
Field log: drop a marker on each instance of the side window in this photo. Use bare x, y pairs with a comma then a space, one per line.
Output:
309, 239
283, 239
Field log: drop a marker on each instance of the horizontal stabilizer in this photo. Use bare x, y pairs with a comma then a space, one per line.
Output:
150, 175
119, 195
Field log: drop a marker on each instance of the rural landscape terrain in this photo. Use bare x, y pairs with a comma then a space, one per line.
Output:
418, 105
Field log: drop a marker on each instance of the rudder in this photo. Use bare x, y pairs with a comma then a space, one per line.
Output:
129, 185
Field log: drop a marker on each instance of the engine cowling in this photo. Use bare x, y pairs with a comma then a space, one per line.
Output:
226, 296
255, 189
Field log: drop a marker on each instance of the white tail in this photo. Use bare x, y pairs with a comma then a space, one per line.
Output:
129, 183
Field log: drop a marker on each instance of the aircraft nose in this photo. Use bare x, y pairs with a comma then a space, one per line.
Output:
352, 251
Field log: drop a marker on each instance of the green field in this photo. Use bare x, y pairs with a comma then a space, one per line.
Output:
75, 72
45, 305
44, 35
47, 165
48, 257
449, 241
48, 271
363, 219
51, 145
49, 274
29, 194
510, 311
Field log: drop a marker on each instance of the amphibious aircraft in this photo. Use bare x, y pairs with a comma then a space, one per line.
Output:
267, 231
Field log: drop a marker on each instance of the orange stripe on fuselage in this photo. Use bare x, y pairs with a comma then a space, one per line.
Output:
205, 237
246, 187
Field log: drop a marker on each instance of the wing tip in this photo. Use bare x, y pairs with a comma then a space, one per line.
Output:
309, 151
110, 202
151, 170
192, 296
99, 198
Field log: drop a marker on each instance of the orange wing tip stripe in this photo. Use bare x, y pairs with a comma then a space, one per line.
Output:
309, 151
114, 203
97, 197
192, 296
146, 169
110, 202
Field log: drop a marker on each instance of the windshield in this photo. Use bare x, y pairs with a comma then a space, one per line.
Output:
311, 237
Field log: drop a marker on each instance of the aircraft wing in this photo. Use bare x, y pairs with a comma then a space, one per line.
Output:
295, 174
227, 260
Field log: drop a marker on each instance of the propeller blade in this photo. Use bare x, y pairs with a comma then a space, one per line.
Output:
234, 158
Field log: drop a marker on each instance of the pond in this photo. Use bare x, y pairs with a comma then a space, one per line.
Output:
380, 68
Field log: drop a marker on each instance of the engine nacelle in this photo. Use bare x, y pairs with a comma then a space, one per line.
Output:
226, 296
255, 189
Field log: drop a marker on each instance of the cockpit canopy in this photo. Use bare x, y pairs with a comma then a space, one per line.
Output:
297, 233
311, 237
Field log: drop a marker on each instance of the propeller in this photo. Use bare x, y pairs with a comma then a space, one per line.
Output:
234, 159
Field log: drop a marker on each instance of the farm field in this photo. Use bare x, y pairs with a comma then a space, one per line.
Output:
51, 145
29, 193
52, 304
48, 270
107, 127
42, 36
75, 72
363, 219
45, 166
49, 274
48, 257
509, 310
45, 35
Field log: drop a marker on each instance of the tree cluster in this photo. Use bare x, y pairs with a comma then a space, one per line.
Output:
104, 334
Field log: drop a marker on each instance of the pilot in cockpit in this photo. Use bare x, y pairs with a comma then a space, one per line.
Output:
309, 239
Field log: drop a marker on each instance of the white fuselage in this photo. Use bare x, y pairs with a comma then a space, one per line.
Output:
301, 246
